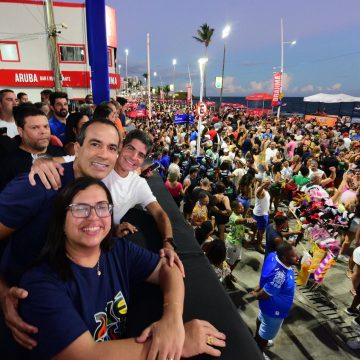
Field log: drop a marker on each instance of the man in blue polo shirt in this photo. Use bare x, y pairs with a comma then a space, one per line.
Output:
276, 292
60, 108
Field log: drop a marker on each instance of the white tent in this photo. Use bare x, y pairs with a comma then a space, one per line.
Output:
331, 98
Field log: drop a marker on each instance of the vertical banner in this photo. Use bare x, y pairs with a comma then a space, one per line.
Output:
162, 97
98, 51
189, 93
277, 87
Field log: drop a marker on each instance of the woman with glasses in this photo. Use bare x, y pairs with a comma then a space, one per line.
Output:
79, 291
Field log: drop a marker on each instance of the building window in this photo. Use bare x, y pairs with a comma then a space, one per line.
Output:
110, 62
72, 53
9, 51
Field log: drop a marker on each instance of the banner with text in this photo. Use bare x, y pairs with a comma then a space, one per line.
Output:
277, 86
189, 93
44, 78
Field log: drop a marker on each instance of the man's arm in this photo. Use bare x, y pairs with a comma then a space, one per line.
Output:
9, 301
260, 192
162, 221
261, 294
168, 333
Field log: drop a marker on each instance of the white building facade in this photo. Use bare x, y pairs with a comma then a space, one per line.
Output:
25, 57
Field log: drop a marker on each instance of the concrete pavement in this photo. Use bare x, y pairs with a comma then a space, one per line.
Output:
317, 328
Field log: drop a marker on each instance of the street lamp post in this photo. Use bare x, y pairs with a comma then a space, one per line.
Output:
174, 65
225, 34
282, 60
126, 72
202, 63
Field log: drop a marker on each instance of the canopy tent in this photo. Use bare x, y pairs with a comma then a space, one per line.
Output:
331, 98
233, 105
259, 97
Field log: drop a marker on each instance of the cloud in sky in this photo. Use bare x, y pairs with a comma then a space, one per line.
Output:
336, 87
307, 88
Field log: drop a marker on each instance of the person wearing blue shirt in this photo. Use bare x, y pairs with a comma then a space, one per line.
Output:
60, 108
275, 293
80, 288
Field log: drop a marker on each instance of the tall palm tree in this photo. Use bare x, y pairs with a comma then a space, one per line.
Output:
205, 34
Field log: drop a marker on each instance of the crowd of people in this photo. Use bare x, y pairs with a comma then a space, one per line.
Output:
236, 195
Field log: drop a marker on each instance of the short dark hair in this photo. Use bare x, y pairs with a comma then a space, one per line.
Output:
54, 249
121, 100
283, 250
141, 136
21, 112
304, 170
20, 95
102, 111
46, 92
280, 219
57, 95
220, 187
82, 134
4, 91
216, 252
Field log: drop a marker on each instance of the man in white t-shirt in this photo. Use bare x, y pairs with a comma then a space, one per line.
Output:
7, 103
270, 152
128, 189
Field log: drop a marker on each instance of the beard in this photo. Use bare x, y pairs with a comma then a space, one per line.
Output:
61, 114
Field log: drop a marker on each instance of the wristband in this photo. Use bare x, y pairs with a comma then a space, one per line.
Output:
170, 240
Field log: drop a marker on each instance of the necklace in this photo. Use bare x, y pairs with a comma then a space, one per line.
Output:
98, 271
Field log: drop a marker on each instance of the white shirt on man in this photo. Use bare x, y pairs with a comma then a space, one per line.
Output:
127, 192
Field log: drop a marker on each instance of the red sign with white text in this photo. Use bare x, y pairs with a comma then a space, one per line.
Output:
189, 92
45, 79
277, 87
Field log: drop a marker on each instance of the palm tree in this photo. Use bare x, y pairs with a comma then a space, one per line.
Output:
205, 34
166, 90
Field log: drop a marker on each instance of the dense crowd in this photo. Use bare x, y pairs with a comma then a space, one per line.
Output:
239, 190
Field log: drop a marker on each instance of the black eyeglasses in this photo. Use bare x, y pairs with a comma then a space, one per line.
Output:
103, 209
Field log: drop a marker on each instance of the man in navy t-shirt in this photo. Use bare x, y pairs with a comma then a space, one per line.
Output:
276, 292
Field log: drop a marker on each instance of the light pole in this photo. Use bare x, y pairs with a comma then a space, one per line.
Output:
225, 34
282, 60
174, 65
202, 63
126, 73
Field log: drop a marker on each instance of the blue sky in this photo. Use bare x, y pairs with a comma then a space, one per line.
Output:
326, 57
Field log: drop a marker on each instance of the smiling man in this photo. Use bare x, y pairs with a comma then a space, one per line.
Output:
129, 189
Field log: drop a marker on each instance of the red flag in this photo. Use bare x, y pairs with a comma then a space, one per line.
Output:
277, 87
189, 93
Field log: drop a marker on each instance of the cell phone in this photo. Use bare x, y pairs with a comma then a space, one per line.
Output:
3, 130
153, 167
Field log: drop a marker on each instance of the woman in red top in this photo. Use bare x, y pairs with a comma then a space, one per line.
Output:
175, 187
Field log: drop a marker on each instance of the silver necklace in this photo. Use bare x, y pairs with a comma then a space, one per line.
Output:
98, 271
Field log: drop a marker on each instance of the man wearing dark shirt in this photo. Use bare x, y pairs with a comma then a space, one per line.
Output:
34, 134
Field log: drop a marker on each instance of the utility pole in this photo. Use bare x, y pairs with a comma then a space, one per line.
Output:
53, 34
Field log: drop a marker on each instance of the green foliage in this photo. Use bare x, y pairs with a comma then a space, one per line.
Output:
205, 34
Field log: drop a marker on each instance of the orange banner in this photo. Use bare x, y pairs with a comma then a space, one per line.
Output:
328, 121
